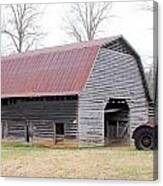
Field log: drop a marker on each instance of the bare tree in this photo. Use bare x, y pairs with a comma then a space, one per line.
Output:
152, 72
20, 26
85, 19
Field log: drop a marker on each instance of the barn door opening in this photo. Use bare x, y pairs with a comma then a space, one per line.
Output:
116, 122
60, 131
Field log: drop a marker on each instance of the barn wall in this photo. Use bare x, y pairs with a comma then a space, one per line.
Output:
41, 114
114, 75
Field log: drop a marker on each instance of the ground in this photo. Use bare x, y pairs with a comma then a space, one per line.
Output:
94, 163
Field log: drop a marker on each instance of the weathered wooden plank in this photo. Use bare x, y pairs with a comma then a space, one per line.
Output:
114, 75
42, 115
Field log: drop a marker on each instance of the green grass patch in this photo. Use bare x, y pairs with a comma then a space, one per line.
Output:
16, 150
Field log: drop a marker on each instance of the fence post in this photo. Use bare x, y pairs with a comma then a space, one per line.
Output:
54, 133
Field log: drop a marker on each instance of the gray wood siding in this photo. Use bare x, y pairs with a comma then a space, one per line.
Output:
114, 75
41, 114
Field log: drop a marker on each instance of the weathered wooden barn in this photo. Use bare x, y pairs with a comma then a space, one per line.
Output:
90, 93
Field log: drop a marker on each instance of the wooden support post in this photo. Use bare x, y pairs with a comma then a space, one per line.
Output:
117, 129
31, 131
54, 133
107, 129
107, 132
2, 129
5, 129
26, 129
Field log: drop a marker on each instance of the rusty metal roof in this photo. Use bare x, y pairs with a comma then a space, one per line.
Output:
61, 70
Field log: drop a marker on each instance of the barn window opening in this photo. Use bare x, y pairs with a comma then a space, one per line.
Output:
8, 101
4, 102
59, 128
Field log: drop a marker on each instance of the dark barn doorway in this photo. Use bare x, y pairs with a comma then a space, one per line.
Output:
60, 131
116, 122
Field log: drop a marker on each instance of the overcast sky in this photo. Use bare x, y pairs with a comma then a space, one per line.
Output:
128, 19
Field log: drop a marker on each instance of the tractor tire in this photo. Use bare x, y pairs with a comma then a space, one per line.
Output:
144, 139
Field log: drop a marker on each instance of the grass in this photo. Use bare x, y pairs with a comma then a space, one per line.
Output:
16, 150
95, 163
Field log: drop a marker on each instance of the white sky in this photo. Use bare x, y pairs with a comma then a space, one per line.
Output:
129, 20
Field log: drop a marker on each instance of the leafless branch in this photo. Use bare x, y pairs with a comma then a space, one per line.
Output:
22, 27
13, 37
88, 17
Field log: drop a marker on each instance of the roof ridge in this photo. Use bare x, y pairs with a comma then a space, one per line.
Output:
71, 46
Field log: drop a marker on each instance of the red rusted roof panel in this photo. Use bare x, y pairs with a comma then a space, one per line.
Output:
53, 71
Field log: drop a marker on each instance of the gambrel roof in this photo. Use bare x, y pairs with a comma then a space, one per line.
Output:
61, 70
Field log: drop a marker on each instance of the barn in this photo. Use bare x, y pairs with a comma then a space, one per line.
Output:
88, 94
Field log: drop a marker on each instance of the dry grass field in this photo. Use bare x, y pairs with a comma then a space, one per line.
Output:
94, 163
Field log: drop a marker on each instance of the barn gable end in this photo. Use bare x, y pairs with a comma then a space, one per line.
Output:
115, 75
